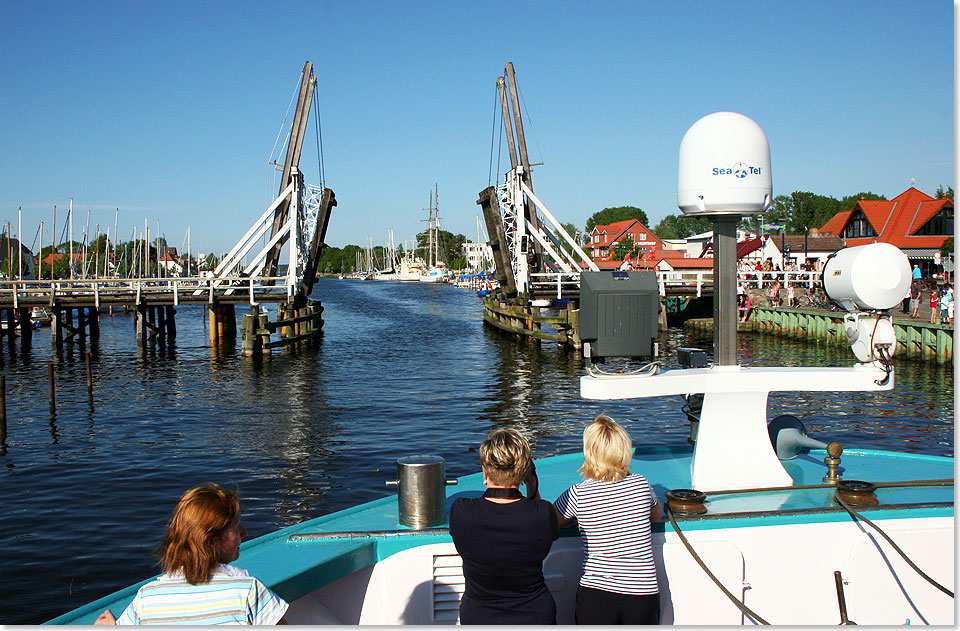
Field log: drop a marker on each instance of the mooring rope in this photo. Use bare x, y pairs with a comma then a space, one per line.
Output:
856, 515
736, 601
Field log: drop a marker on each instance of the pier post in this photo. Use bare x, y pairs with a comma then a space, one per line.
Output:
161, 323
250, 343
94, 324
56, 326
171, 322
230, 314
264, 337
3, 408
573, 317
282, 314
26, 326
140, 324
81, 323
51, 391
214, 321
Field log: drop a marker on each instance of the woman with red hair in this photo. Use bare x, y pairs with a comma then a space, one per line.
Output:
197, 585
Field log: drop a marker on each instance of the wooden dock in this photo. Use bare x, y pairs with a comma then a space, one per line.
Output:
916, 339
74, 307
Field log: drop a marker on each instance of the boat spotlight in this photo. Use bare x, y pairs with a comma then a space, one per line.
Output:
866, 280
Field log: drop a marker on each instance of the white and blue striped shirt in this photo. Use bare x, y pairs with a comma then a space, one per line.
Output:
231, 596
614, 519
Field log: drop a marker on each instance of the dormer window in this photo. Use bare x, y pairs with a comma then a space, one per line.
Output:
859, 226
940, 225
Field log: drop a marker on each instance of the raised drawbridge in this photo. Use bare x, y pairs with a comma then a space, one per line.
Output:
536, 259
538, 263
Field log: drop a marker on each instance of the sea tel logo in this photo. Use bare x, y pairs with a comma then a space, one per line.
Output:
739, 170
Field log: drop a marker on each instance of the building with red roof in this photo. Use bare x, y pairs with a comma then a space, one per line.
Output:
913, 221
604, 238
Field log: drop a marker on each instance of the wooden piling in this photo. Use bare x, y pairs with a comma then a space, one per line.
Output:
86, 361
140, 322
230, 318
51, 390
214, 318
161, 320
171, 322
3, 407
56, 326
250, 343
26, 325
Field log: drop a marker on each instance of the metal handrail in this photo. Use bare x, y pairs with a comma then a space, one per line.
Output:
98, 288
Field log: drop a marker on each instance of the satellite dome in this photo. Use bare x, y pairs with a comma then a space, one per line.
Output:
724, 167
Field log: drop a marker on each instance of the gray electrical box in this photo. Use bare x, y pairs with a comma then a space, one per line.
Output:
618, 314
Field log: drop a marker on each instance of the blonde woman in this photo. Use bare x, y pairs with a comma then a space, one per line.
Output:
614, 509
503, 538
197, 586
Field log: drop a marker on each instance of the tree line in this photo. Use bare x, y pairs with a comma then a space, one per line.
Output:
334, 260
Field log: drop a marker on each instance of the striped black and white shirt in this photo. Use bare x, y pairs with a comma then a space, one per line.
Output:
614, 519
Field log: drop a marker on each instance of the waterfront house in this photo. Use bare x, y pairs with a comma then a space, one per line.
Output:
170, 264
913, 221
479, 256
605, 238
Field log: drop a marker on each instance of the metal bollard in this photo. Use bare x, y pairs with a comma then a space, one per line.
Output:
421, 498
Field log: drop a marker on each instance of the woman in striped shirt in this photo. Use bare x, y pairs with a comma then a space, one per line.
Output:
197, 586
614, 509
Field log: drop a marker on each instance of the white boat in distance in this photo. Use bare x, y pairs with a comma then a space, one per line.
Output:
436, 274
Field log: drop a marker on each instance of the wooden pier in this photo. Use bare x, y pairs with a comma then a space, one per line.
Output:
915, 339
528, 321
74, 308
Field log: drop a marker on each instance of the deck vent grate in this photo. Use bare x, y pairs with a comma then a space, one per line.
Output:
448, 586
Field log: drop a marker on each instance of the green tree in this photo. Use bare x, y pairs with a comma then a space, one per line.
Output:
947, 248
450, 248
848, 202
941, 193
613, 215
681, 226
575, 234
624, 247
210, 263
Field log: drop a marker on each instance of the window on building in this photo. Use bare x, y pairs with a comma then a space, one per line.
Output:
940, 225
641, 236
859, 226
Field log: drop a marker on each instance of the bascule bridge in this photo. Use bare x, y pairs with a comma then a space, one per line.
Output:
249, 275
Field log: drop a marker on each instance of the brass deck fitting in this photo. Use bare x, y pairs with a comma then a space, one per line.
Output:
857, 493
686, 501
833, 462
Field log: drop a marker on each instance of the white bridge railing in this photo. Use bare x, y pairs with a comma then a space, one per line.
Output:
33, 292
751, 280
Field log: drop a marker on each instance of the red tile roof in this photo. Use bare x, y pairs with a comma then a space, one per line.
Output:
616, 229
895, 221
746, 247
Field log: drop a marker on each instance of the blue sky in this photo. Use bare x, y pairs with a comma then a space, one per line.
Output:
169, 110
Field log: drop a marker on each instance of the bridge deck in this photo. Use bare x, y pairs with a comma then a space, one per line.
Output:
150, 291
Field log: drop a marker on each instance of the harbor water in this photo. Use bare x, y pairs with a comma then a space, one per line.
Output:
402, 368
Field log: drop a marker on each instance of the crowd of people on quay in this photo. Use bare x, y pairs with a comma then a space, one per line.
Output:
939, 297
790, 287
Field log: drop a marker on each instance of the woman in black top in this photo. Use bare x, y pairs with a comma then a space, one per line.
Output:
503, 538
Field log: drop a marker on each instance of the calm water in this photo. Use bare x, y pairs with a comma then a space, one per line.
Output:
403, 368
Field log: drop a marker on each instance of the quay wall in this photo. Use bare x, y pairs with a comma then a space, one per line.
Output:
915, 339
